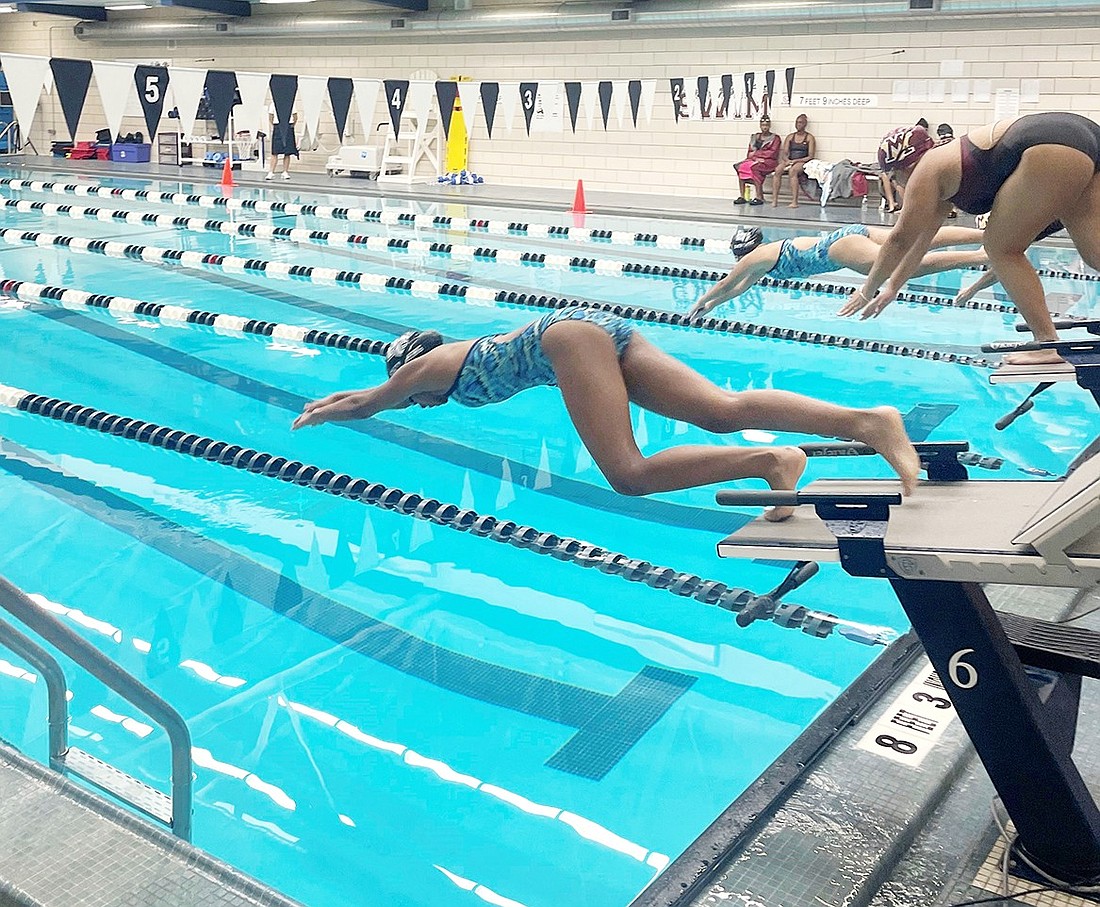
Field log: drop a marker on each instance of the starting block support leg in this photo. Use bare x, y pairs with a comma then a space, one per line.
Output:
1024, 748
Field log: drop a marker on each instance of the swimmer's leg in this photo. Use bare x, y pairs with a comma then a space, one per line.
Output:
588, 372
664, 385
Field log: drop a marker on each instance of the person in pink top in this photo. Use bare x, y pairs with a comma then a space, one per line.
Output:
763, 159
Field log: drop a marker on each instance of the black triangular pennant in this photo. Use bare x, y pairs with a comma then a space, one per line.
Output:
221, 87
528, 95
702, 88
634, 89
573, 99
606, 90
397, 93
72, 78
677, 86
339, 95
769, 82
727, 93
446, 92
750, 102
151, 82
790, 83
490, 94
283, 91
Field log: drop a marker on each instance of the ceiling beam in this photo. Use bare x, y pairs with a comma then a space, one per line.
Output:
97, 13
413, 6
222, 7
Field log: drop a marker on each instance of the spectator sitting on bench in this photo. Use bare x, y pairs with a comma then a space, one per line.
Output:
797, 148
762, 160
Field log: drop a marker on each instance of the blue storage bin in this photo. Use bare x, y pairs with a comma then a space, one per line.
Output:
130, 154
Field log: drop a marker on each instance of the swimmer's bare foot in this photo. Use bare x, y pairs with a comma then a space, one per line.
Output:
793, 205
1034, 357
885, 432
787, 467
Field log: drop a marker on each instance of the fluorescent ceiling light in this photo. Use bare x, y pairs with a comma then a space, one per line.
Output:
7, 9
127, 6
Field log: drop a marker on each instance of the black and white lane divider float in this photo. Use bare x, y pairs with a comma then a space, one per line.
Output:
716, 246
327, 481
433, 289
379, 215
326, 238
70, 298
122, 306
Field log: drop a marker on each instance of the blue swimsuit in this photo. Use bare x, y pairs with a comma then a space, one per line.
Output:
495, 370
793, 262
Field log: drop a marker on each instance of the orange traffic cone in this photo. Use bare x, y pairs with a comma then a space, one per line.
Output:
227, 173
578, 199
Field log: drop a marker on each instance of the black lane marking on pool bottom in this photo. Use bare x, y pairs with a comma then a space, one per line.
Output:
680, 515
609, 734
607, 726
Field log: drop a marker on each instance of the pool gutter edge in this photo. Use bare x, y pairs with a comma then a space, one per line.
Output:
688, 875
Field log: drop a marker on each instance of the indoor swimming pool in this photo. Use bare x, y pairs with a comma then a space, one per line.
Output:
384, 709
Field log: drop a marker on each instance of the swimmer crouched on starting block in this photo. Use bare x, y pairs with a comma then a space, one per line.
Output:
855, 246
601, 364
1025, 172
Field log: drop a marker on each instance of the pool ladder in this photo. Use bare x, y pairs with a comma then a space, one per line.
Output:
173, 811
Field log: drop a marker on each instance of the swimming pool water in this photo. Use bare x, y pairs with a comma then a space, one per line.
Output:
385, 710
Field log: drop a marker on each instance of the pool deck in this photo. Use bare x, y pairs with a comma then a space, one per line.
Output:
666, 205
65, 846
861, 829
856, 829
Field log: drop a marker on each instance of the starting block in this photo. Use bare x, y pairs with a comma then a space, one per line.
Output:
936, 550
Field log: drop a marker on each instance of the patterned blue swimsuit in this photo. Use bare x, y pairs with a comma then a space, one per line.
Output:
495, 370
794, 262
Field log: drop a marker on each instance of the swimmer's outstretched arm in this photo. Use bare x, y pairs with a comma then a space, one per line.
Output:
745, 274
986, 280
900, 256
346, 406
417, 377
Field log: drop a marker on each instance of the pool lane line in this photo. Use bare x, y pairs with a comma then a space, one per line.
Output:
331, 240
452, 516
176, 315
920, 421
381, 215
538, 697
572, 491
434, 289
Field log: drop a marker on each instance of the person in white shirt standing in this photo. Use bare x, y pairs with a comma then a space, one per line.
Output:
283, 143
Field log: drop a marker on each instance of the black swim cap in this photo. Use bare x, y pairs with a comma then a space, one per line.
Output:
409, 346
745, 240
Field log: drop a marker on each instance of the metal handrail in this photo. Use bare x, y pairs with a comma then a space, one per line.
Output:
19, 605
12, 127
48, 667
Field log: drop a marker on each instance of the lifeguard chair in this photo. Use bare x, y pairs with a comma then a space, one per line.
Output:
415, 154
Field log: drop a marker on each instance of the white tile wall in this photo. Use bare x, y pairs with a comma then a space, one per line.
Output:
692, 158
